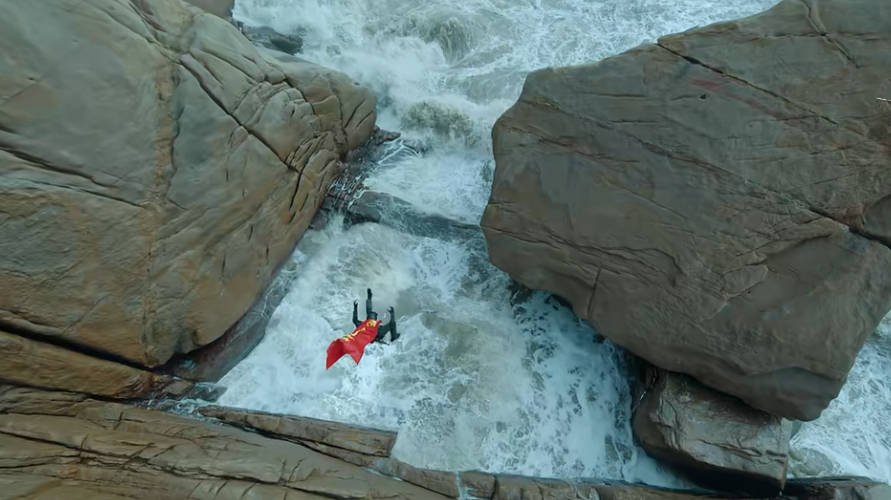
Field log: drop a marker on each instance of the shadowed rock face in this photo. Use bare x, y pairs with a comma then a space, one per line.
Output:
38, 364
717, 202
156, 168
221, 8
717, 438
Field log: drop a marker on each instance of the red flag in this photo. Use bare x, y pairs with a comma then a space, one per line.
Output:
354, 343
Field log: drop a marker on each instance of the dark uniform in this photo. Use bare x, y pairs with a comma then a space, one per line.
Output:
370, 314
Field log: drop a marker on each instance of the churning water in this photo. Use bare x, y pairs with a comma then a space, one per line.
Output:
478, 380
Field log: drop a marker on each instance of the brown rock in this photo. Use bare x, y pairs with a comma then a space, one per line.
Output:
525, 488
622, 491
350, 457
442, 482
157, 176
78, 448
721, 441
64, 445
714, 203
349, 437
212, 361
221, 8
38, 364
838, 488
509, 487
478, 484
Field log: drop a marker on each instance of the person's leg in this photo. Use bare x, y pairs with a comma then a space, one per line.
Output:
356, 313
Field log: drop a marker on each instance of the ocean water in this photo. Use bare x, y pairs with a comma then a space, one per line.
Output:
481, 378
853, 435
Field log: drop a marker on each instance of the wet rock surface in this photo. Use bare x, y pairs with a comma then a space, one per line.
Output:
271, 39
221, 8
211, 362
840, 488
206, 193
716, 202
384, 208
67, 445
716, 438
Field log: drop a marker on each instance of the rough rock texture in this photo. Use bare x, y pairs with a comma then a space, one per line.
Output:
38, 364
526, 488
355, 445
211, 362
221, 8
65, 445
722, 441
384, 208
60, 445
271, 39
841, 488
156, 168
717, 203
349, 437
478, 484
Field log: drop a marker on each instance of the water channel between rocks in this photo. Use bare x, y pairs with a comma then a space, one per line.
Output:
477, 382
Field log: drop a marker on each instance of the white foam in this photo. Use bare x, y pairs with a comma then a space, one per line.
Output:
853, 435
404, 50
474, 382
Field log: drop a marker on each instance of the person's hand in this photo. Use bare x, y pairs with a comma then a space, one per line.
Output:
355, 303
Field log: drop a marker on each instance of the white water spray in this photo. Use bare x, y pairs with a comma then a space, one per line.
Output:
474, 382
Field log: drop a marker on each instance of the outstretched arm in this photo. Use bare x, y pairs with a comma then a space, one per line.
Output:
356, 313
368, 308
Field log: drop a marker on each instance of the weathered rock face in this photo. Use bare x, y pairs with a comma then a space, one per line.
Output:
60, 445
721, 441
221, 8
350, 437
839, 488
37, 364
65, 445
271, 39
156, 168
717, 203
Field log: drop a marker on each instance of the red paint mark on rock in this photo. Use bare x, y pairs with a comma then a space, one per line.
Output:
725, 87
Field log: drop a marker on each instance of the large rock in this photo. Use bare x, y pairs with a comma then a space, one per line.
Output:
363, 440
66, 445
213, 361
156, 168
509, 487
838, 488
38, 364
59, 445
717, 438
718, 203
